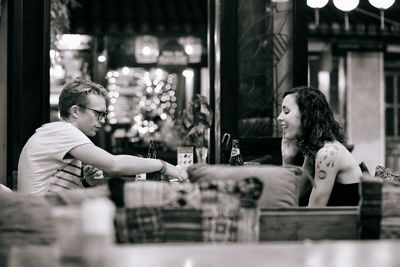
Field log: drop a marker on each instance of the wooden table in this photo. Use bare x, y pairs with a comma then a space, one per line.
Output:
306, 253
270, 254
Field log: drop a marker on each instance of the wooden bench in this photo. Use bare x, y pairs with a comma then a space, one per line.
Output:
291, 224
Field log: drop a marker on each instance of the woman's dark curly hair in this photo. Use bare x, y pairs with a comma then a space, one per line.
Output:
317, 122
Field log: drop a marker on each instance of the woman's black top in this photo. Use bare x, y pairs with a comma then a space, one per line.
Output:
344, 195
341, 195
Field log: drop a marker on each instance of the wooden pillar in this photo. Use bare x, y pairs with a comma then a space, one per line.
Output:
223, 71
300, 41
365, 95
3, 91
28, 74
215, 128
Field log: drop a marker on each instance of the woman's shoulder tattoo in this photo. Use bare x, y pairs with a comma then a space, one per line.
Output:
326, 158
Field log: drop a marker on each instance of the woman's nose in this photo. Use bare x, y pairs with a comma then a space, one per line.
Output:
280, 117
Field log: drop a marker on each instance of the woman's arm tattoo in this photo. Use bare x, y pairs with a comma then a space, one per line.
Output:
327, 159
322, 174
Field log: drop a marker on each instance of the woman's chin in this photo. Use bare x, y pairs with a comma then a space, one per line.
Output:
289, 137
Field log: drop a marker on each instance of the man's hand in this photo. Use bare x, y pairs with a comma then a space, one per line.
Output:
92, 175
176, 173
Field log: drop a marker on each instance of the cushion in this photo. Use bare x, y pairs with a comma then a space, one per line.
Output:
139, 194
212, 211
154, 225
282, 185
390, 222
150, 212
371, 206
387, 174
25, 220
4, 188
76, 196
380, 213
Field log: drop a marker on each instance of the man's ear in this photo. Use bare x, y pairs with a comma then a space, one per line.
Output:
73, 111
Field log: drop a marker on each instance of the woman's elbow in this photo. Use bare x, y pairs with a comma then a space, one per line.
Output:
318, 201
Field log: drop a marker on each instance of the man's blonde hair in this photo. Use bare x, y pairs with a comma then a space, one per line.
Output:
75, 93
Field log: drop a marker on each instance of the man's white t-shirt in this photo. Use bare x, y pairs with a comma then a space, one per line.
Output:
45, 153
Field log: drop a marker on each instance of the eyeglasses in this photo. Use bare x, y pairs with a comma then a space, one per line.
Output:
99, 114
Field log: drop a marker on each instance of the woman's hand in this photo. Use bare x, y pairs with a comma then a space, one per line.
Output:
289, 150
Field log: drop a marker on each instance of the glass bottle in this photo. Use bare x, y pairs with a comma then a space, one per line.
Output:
152, 154
226, 143
236, 157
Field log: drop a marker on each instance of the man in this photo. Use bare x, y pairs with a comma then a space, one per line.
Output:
52, 158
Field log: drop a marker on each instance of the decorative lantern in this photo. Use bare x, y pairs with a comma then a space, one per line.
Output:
192, 47
382, 5
146, 49
346, 6
317, 4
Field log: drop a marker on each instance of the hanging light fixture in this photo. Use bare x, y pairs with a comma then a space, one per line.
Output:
317, 4
346, 6
146, 49
382, 5
193, 48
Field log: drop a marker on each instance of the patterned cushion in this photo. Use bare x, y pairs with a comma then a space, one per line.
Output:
387, 174
380, 212
154, 194
390, 228
25, 220
152, 211
144, 225
154, 225
205, 211
230, 209
76, 196
182, 224
281, 185
221, 211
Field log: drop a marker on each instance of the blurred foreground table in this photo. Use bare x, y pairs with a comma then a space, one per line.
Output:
306, 253
286, 254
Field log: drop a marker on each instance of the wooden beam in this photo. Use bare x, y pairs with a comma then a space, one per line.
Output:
300, 40
28, 74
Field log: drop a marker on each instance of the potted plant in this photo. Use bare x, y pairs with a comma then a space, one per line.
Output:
194, 123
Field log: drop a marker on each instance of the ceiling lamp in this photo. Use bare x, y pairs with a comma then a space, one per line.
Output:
346, 6
193, 48
317, 4
146, 49
382, 5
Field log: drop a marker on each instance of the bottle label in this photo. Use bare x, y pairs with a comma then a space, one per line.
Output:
141, 177
235, 151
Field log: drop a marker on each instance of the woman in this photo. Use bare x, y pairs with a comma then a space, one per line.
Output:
309, 127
